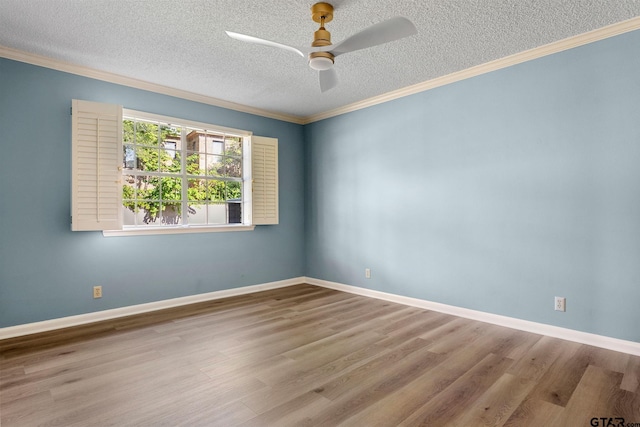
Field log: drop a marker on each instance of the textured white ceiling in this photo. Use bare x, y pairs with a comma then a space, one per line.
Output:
182, 44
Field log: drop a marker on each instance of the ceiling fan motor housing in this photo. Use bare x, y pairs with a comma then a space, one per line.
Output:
321, 37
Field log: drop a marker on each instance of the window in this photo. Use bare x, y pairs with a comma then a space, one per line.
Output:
172, 175
176, 174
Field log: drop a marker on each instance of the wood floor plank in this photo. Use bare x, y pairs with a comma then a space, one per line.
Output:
299, 381
333, 346
256, 368
280, 342
22, 409
411, 316
593, 398
446, 338
372, 317
559, 382
497, 404
307, 355
400, 404
72, 373
295, 412
631, 379
539, 359
428, 321
535, 413
370, 372
369, 391
331, 313
206, 401
447, 405
206, 414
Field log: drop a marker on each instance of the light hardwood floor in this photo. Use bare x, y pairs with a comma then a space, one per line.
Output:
305, 355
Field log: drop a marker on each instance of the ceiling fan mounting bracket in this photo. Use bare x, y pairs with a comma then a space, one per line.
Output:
322, 10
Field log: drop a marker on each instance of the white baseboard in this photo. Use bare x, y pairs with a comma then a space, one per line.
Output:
614, 344
83, 319
609, 343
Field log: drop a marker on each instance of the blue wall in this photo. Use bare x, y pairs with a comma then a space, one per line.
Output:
47, 271
496, 193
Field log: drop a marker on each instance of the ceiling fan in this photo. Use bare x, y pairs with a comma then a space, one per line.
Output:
322, 53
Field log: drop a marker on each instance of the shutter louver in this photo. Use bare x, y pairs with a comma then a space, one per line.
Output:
96, 196
264, 162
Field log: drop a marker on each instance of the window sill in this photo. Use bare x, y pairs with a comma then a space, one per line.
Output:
148, 231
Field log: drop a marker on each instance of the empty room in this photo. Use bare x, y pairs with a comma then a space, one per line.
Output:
359, 213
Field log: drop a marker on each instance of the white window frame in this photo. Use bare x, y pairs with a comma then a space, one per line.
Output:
249, 220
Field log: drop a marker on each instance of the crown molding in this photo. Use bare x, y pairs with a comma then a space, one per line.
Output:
508, 61
54, 64
518, 58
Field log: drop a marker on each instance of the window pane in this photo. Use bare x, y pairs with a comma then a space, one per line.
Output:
215, 144
128, 131
192, 140
233, 167
147, 159
215, 166
133, 215
128, 157
146, 134
128, 200
197, 214
234, 191
148, 211
193, 164
197, 190
234, 210
216, 191
171, 213
217, 213
171, 189
233, 146
128, 188
170, 161
146, 187
197, 194
170, 137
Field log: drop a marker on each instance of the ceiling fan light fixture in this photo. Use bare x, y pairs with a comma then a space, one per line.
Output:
320, 63
321, 60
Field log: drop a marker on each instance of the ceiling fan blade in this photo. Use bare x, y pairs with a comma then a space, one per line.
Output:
256, 40
377, 34
328, 79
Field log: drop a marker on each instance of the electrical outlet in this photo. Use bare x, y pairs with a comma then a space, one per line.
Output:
97, 291
560, 304
367, 273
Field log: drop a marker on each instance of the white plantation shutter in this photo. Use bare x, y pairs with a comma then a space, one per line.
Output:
96, 156
264, 167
